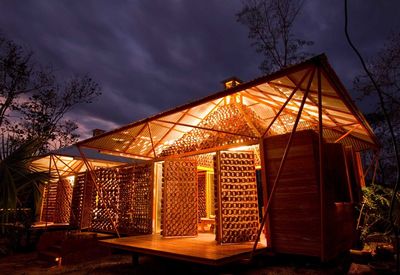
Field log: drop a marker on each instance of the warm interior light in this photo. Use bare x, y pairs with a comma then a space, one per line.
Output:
241, 148
65, 158
71, 180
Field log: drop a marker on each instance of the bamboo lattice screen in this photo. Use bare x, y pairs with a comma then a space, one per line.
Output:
179, 201
124, 195
63, 201
236, 197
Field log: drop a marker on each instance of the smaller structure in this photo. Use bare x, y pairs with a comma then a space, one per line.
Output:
61, 202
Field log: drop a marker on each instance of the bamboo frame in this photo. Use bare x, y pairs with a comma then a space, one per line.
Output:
287, 101
346, 134
335, 82
321, 167
133, 140
265, 190
316, 104
207, 129
218, 182
283, 161
99, 190
265, 100
247, 119
47, 197
209, 150
168, 132
59, 176
151, 139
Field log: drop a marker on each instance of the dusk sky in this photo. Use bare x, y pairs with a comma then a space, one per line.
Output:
150, 56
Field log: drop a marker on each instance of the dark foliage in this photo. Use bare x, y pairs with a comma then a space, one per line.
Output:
270, 24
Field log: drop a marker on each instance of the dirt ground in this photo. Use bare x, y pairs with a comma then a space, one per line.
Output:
27, 263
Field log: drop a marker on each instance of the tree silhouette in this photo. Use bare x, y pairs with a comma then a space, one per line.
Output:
270, 24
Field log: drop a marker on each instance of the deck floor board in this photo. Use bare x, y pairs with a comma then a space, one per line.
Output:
201, 249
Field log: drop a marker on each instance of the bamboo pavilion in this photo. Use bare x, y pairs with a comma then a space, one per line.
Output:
270, 164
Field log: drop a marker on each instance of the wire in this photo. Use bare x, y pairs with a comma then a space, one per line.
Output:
392, 134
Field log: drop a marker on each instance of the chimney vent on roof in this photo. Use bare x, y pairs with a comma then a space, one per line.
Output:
96, 132
231, 82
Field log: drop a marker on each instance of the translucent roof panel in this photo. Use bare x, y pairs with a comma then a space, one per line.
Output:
264, 106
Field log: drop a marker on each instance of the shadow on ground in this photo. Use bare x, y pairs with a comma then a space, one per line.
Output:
121, 263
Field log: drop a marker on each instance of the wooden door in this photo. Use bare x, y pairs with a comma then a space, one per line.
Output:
179, 198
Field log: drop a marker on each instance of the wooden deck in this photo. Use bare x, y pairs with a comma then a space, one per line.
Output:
202, 249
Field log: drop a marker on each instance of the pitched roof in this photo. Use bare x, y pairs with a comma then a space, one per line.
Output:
243, 114
68, 160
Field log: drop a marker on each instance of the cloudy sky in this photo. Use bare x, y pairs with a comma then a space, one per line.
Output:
150, 56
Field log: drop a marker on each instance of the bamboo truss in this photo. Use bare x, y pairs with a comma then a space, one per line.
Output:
272, 100
281, 166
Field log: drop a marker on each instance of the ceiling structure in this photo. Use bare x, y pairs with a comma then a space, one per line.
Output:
245, 113
68, 161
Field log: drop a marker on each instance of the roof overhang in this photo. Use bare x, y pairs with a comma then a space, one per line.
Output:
69, 161
257, 104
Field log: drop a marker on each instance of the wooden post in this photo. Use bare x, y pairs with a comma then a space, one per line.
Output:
265, 189
47, 196
321, 167
218, 186
283, 161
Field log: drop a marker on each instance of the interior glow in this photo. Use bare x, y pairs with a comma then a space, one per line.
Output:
71, 180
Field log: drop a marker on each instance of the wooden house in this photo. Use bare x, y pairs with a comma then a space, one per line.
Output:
271, 163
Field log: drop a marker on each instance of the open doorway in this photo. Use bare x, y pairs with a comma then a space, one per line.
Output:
228, 194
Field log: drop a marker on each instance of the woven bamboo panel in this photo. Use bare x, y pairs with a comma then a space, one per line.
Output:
237, 199
106, 204
63, 201
202, 195
205, 160
49, 202
126, 195
179, 202
228, 118
82, 200
136, 199
89, 196
77, 200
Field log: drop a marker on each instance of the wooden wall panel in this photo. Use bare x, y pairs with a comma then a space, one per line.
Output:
295, 210
341, 233
341, 193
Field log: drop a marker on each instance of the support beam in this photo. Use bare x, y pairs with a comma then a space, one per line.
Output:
134, 138
63, 189
207, 129
100, 191
169, 131
321, 167
348, 133
63, 162
287, 101
151, 139
281, 165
